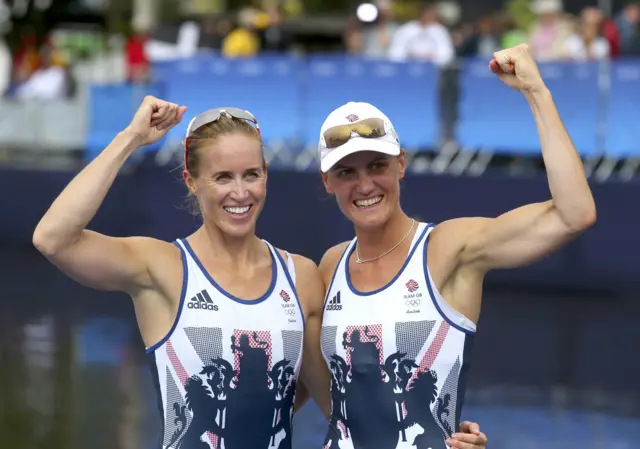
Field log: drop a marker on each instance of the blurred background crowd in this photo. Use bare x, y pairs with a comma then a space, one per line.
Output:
42, 43
555, 363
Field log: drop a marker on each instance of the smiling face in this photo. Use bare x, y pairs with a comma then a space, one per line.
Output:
366, 185
230, 182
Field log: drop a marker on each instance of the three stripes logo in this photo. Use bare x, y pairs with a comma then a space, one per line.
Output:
334, 303
202, 301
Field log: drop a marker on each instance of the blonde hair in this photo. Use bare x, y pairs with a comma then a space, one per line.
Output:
209, 133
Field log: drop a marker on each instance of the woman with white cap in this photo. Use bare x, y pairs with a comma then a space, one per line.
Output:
399, 318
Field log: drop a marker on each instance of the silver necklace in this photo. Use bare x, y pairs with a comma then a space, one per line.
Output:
358, 260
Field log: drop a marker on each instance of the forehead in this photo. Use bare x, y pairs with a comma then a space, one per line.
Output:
232, 152
361, 158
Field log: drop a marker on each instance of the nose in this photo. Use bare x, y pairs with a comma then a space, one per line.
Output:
240, 191
365, 183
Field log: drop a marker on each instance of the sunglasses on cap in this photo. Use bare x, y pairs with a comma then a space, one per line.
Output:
211, 116
370, 128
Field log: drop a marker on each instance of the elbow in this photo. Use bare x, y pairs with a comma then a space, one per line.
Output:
590, 218
584, 219
44, 244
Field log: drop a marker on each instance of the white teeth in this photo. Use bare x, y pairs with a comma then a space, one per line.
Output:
369, 201
238, 210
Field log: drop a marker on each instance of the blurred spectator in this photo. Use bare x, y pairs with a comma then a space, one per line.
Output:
550, 31
273, 37
483, 41
611, 34
138, 70
353, 35
25, 58
243, 41
511, 33
5, 66
376, 38
425, 39
213, 31
587, 43
210, 37
628, 22
51, 81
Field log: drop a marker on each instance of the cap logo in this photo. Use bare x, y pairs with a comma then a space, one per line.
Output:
352, 118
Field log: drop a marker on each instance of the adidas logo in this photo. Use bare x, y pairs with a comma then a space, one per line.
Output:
334, 303
202, 301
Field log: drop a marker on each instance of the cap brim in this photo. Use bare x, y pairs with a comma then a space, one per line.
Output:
356, 145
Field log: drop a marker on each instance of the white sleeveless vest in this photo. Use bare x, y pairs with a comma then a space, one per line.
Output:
398, 356
226, 372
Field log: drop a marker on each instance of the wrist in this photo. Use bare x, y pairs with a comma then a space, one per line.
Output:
537, 95
129, 140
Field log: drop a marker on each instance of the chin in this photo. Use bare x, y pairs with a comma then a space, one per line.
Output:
238, 230
368, 220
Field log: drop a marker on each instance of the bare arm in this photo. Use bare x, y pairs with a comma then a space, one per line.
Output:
93, 259
302, 396
526, 234
315, 374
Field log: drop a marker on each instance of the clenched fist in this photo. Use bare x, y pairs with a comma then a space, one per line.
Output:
154, 118
517, 69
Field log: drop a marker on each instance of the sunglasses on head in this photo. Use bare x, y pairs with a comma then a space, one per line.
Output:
211, 116
370, 128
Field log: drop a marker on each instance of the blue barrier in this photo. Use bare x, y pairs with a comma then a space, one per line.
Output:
623, 132
111, 108
492, 116
266, 86
292, 96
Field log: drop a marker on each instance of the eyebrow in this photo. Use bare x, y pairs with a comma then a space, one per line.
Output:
229, 172
339, 166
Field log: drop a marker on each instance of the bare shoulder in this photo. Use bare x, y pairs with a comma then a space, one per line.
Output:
455, 232
330, 261
155, 252
309, 285
448, 244
303, 265
163, 263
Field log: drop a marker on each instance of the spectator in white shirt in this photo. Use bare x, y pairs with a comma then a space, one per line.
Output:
49, 82
550, 30
588, 44
376, 40
425, 39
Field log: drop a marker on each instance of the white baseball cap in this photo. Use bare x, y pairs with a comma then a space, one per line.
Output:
350, 113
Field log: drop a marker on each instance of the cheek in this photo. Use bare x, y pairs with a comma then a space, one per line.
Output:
339, 189
212, 193
344, 198
258, 189
390, 184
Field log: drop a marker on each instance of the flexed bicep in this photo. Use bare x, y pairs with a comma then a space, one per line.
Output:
516, 238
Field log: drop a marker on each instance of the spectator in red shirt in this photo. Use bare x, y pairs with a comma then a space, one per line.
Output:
137, 61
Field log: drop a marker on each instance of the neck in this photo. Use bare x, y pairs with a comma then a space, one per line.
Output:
373, 242
237, 251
